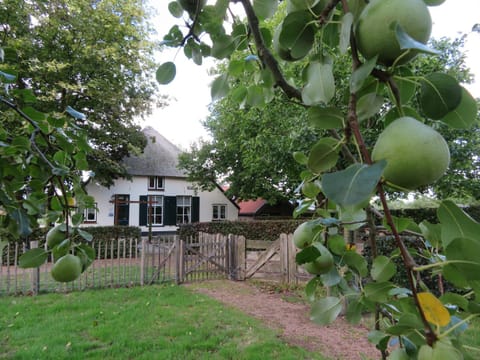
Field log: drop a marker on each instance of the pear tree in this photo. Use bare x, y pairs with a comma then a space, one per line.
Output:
342, 172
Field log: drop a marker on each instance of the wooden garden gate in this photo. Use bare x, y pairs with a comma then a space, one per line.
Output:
205, 257
197, 258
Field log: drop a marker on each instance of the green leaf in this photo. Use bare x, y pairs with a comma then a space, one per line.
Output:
346, 27
407, 42
34, 114
166, 73
85, 235
376, 336
331, 278
325, 311
320, 84
432, 233
454, 299
369, 105
356, 262
223, 46
442, 349
300, 158
378, 291
361, 74
337, 244
265, 8
23, 222
464, 253
81, 162
77, 219
354, 184
311, 189
220, 87
383, 268
33, 258
297, 34
352, 217
61, 249
236, 67
406, 87
323, 155
175, 9
239, 95
309, 254
311, 288
325, 117
400, 223
255, 96
456, 223
395, 113
464, 116
440, 94
406, 323
86, 254
354, 311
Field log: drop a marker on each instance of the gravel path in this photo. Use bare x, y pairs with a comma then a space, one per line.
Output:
339, 340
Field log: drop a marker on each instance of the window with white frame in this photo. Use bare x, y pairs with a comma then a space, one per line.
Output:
155, 209
219, 212
156, 183
184, 209
90, 215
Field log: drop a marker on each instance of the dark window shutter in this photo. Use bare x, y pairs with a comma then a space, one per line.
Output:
195, 209
170, 210
143, 211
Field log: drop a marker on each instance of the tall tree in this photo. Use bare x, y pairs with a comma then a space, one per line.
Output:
94, 56
251, 151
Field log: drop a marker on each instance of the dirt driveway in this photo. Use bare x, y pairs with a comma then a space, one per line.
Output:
339, 340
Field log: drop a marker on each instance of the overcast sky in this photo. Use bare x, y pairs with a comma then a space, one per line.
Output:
180, 122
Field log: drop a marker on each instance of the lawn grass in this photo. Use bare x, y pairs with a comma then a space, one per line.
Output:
154, 322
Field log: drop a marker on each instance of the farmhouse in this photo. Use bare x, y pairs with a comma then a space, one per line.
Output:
157, 195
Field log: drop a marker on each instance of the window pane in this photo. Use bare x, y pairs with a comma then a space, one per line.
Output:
156, 209
223, 210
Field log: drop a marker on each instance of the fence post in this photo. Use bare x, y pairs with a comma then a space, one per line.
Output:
292, 264
231, 268
35, 272
240, 257
178, 260
142, 261
284, 258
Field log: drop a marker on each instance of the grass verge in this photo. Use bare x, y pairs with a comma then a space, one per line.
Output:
154, 322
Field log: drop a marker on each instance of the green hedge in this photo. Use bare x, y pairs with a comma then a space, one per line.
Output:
430, 214
268, 230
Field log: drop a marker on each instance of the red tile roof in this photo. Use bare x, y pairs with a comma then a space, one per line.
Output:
250, 207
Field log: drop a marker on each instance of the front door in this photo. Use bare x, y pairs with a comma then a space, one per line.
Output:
122, 209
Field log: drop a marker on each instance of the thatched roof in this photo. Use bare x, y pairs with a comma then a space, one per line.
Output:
159, 158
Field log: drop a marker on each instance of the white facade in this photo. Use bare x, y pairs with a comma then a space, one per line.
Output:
131, 194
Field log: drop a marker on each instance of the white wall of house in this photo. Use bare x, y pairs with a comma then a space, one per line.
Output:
138, 186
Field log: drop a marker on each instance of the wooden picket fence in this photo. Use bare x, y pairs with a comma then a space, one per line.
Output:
130, 262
